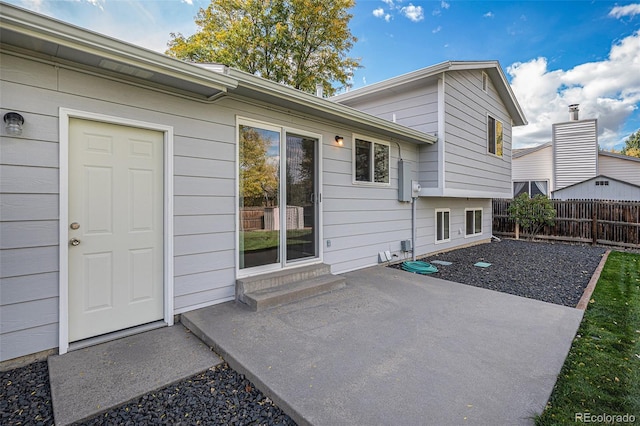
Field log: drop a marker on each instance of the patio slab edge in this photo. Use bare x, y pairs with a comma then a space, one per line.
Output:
588, 291
191, 320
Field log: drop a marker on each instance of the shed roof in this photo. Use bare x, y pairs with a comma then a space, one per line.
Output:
69, 46
492, 68
517, 153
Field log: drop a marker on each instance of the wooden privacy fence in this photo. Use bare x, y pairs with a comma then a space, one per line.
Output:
614, 223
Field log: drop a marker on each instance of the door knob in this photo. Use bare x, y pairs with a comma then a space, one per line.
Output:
74, 242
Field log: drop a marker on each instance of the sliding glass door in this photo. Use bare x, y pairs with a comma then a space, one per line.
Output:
278, 197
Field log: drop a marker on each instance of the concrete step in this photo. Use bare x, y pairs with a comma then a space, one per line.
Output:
292, 291
278, 278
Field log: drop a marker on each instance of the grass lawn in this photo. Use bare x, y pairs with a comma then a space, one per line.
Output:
601, 375
260, 239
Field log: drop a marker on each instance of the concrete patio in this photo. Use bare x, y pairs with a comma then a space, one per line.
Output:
397, 348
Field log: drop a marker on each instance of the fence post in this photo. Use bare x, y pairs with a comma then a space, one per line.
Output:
594, 224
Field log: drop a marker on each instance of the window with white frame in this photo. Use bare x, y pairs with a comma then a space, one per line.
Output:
370, 161
443, 225
531, 187
494, 136
473, 222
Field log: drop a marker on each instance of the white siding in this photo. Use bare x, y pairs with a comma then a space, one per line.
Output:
627, 170
614, 190
468, 164
575, 145
535, 166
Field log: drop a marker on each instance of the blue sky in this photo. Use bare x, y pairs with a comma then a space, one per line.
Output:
554, 53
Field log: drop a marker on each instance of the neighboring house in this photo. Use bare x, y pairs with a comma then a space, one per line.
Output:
142, 187
600, 187
573, 158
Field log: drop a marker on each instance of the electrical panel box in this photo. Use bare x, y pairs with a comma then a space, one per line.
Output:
404, 181
405, 245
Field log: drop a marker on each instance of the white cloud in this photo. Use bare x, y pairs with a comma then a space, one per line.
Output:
97, 3
387, 17
628, 10
444, 4
488, 15
378, 13
608, 90
414, 13
389, 3
364, 81
189, 2
437, 30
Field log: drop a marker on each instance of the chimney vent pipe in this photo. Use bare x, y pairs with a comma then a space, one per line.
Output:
319, 90
573, 112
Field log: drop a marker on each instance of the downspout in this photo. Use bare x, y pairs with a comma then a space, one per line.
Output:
414, 229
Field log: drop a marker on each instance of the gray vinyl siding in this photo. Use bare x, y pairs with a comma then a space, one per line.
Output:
627, 170
468, 164
426, 223
204, 189
575, 145
536, 166
416, 107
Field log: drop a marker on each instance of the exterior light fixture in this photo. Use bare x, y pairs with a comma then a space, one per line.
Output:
14, 122
339, 140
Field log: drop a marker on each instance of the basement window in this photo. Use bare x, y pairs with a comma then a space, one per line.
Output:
443, 225
371, 161
473, 222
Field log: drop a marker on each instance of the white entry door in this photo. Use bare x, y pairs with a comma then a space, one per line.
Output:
116, 199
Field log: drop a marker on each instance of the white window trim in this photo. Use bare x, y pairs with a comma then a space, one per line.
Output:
353, 160
529, 183
283, 130
435, 229
484, 83
495, 133
473, 209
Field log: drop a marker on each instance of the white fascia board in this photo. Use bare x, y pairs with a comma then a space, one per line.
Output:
393, 82
504, 87
64, 34
286, 93
462, 193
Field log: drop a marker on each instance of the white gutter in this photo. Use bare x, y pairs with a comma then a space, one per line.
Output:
64, 34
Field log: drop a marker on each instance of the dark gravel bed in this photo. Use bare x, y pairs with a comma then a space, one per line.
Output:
551, 272
219, 396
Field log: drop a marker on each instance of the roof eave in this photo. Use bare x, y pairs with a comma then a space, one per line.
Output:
51, 30
328, 108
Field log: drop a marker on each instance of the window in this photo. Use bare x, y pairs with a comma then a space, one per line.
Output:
494, 136
531, 187
602, 183
473, 222
485, 82
443, 225
371, 161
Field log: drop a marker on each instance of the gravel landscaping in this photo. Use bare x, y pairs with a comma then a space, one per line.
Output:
217, 396
555, 273
551, 272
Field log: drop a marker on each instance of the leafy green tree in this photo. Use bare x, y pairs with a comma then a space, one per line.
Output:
532, 214
295, 42
632, 145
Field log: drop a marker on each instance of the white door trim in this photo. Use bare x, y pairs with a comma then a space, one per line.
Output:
65, 115
283, 130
